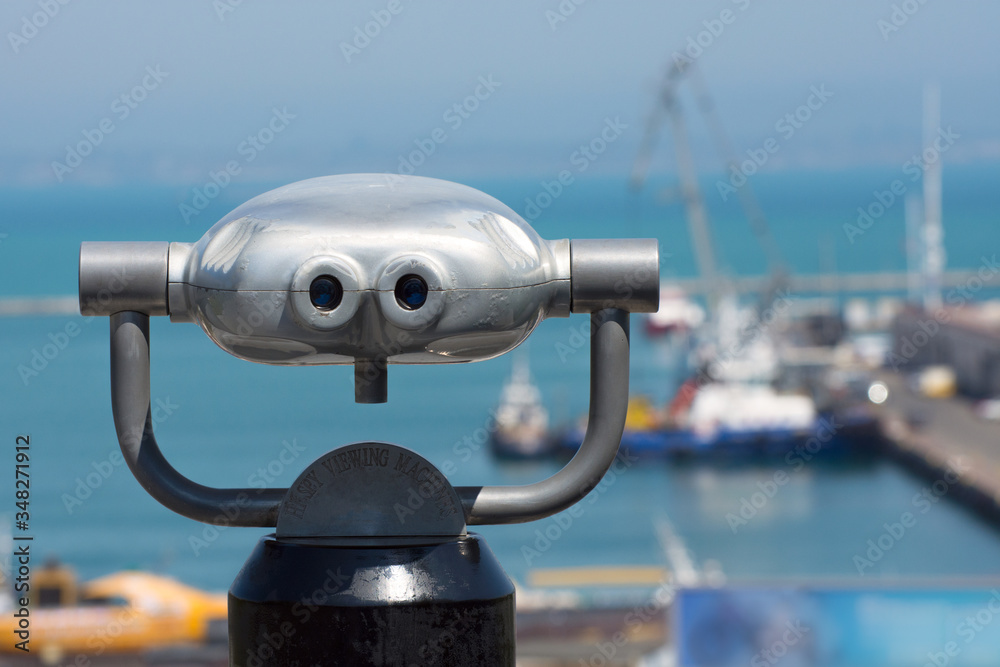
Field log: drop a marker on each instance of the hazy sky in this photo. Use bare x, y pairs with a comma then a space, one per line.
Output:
558, 73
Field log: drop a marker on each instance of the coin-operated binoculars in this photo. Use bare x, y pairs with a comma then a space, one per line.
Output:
371, 562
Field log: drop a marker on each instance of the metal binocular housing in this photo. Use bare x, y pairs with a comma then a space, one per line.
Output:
481, 277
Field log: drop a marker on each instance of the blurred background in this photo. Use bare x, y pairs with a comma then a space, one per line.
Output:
809, 470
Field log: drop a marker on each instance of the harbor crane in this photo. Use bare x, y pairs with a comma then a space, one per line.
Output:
668, 108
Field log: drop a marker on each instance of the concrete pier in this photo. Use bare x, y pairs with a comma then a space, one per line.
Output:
937, 437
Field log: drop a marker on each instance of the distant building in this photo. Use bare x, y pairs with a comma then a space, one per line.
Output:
966, 338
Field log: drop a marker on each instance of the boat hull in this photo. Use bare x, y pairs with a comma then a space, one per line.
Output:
830, 435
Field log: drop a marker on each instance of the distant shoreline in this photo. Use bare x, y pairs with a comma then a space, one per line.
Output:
39, 305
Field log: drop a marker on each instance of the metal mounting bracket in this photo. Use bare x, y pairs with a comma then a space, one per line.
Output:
130, 398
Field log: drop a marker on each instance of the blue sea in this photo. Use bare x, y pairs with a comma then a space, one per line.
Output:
226, 422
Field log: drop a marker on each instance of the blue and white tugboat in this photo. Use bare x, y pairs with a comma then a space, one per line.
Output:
522, 422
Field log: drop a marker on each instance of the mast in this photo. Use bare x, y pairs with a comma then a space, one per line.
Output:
934, 255
914, 248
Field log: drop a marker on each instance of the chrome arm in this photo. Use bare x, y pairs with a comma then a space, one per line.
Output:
134, 424
609, 357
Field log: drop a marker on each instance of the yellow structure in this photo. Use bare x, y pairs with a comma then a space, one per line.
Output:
126, 612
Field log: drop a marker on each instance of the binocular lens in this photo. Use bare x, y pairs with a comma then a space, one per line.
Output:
325, 293
411, 292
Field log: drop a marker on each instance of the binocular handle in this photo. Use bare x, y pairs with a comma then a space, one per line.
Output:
609, 367
130, 404
251, 507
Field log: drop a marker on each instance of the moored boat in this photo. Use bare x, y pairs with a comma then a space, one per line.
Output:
522, 422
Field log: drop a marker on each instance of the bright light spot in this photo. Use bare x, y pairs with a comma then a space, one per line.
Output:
878, 392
